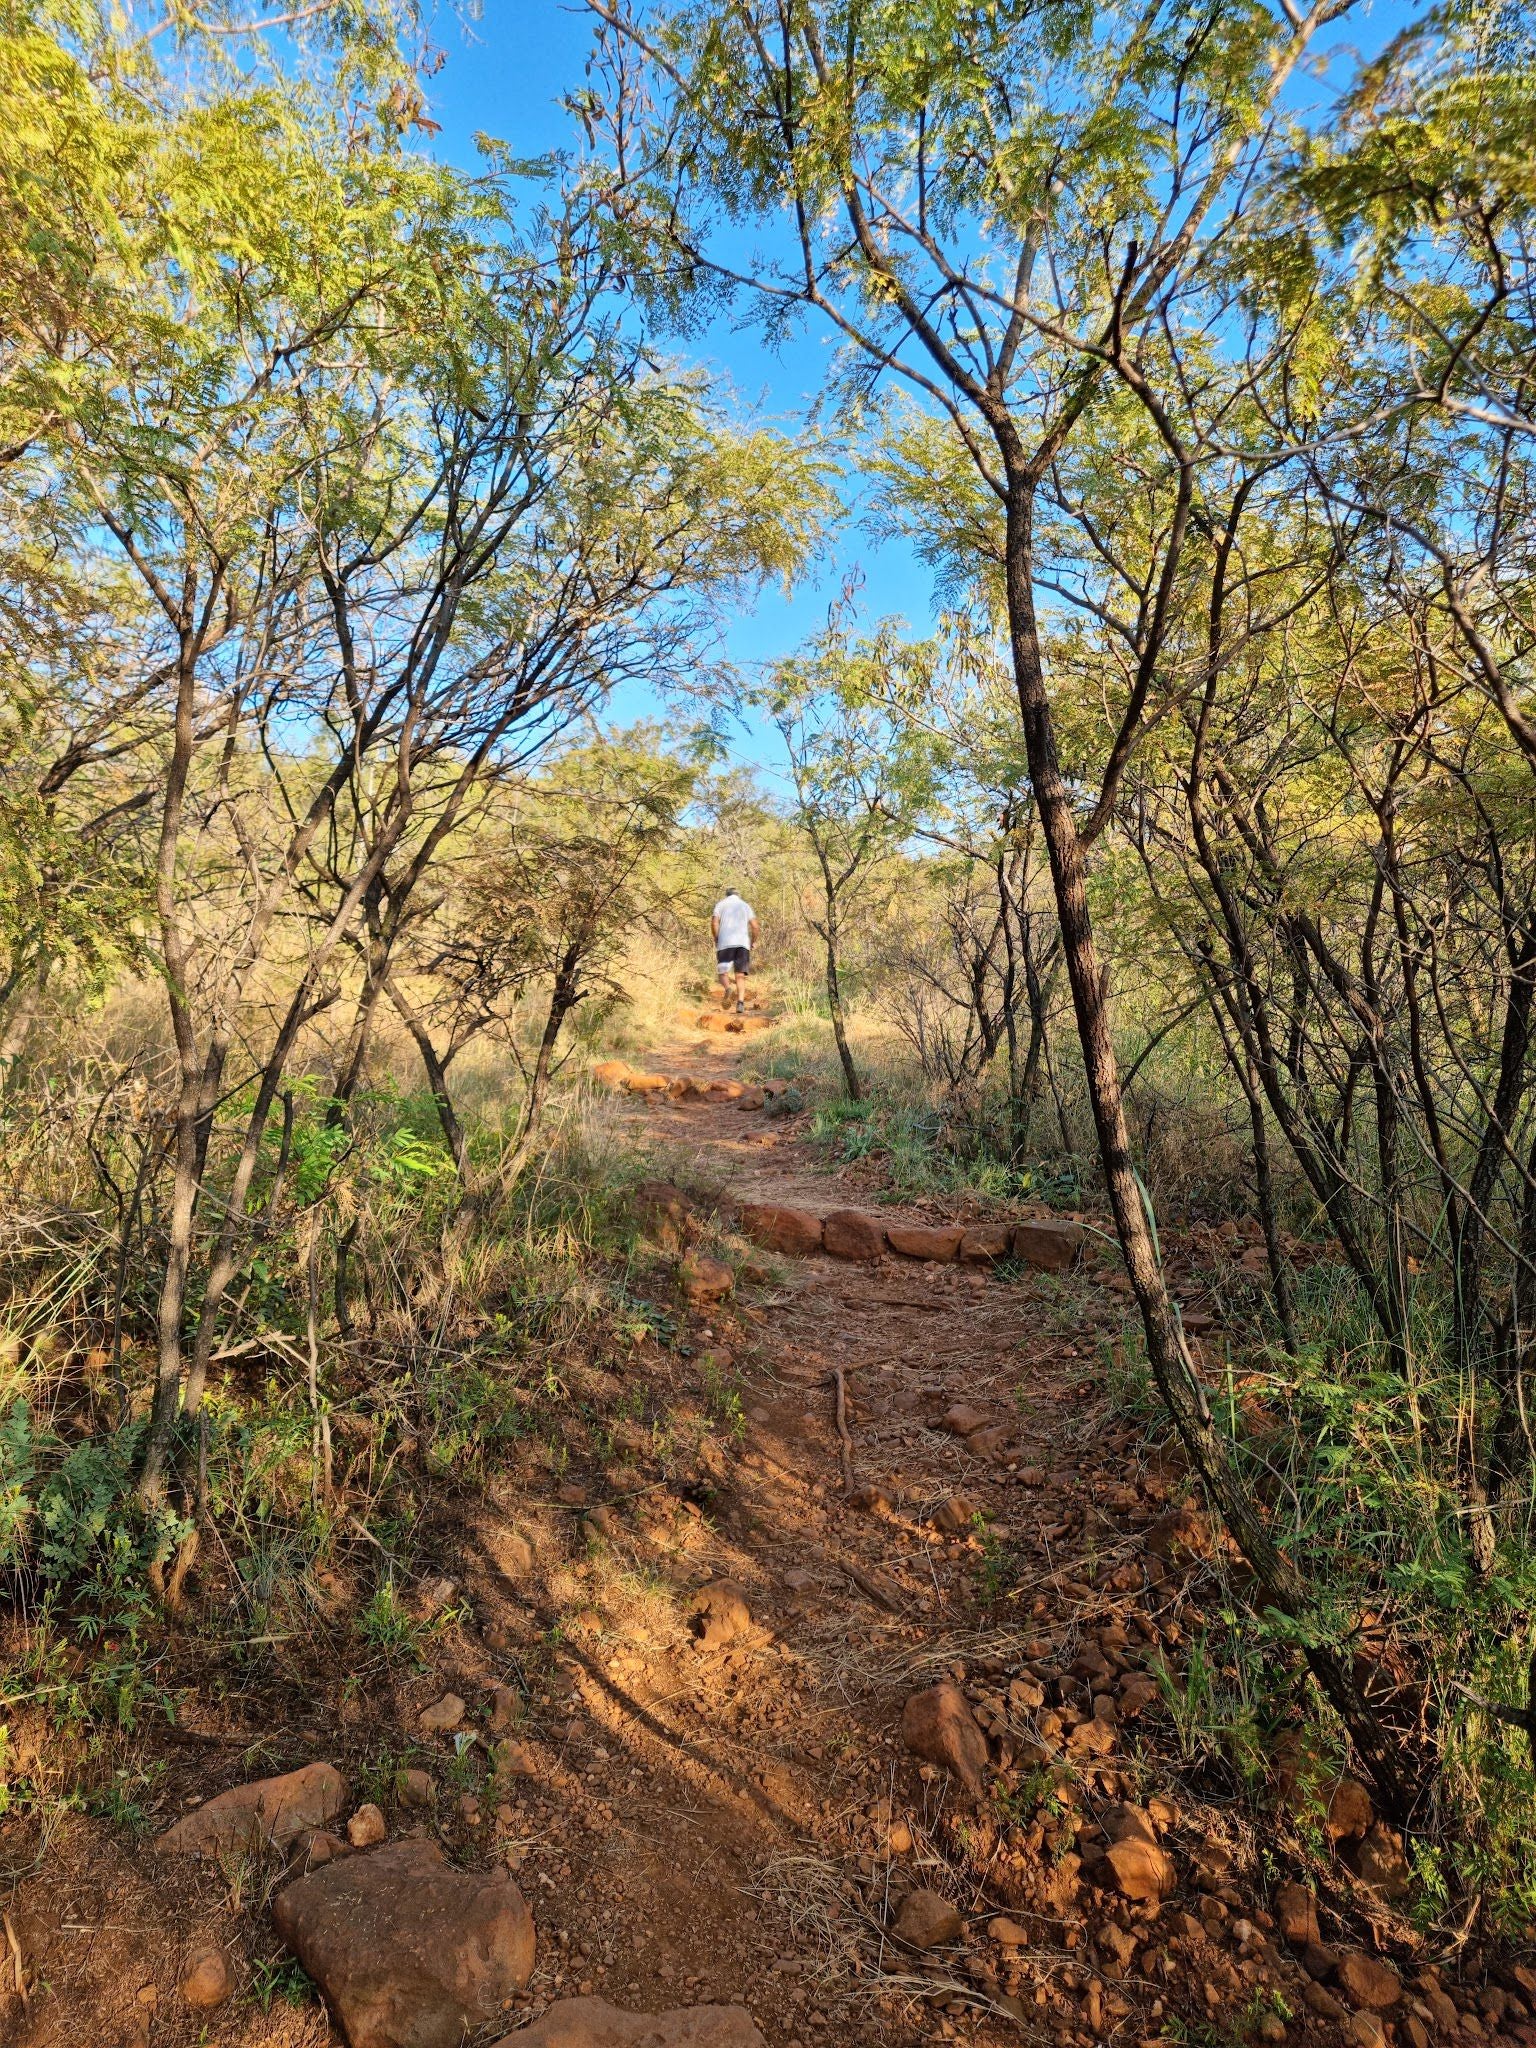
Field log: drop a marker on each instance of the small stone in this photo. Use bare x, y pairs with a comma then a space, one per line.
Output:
1322, 2002
367, 1827
704, 1281
444, 1715
511, 1759
1349, 1810
207, 1981
955, 1516
1142, 1870
1365, 2030
1368, 1982
1008, 1933
506, 1710
415, 1788
719, 1615
938, 1726
898, 1840
1296, 1914
1381, 1864
926, 1919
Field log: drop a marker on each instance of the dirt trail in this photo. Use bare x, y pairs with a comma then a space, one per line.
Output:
740, 1822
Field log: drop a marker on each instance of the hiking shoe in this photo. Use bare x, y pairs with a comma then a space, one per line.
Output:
741, 1009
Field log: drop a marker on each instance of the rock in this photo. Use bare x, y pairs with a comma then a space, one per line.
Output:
1142, 1870
444, 1715
719, 1615
954, 1516
938, 1726
661, 1209
704, 1281
1368, 1982
924, 1241
603, 1523
850, 1234
993, 1443
1008, 1933
778, 1229
787, 1102
963, 1420
506, 1710
511, 1759
1322, 2002
612, 1073
267, 1813
415, 1788
1381, 1863
1123, 1822
926, 1919
1349, 1810
367, 1828
751, 1097
647, 1084
1048, 1246
407, 1952
984, 1243
1296, 1915
1182, 1532
319, 1847
207, 1980
594, 2023
1365, 2030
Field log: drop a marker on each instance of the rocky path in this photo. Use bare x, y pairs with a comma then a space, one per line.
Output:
804, 1687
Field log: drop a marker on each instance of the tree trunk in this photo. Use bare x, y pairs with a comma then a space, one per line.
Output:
1279, 1585
563, 999
829, 933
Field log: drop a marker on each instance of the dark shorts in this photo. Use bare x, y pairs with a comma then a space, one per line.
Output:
734, 957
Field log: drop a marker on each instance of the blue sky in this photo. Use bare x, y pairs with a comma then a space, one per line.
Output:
504, 76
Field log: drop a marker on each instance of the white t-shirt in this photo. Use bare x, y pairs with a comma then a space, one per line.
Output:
735, 917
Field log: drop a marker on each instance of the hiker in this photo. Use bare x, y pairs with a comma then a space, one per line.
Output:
734, 925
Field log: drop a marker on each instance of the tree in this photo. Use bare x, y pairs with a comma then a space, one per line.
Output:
858, 780
999, 208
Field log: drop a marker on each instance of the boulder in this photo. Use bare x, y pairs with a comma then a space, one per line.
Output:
924, 1241
268, 1813
408, 1952
985, 1243
594, 2023
1368, 1983
704, 1281
851, 1234
777, 1229
719, 1614
938, 1726
926, 1919
1048, 1246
